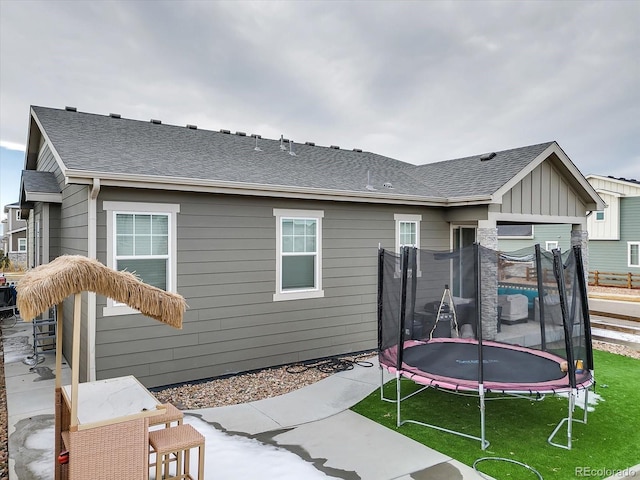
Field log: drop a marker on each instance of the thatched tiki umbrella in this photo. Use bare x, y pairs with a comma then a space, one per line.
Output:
48, 285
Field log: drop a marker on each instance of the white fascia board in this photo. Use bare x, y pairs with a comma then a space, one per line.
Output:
613, 180
44, 197
238, 188
56, 155
609, 192
568, 164
533, 218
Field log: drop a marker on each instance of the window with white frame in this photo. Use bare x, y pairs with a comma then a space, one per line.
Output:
298, 254
408, 234
633, 254
22, 244
600, 216
550, 245
141, 238
407, 231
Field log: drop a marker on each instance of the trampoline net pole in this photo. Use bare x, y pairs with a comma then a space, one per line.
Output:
539, 275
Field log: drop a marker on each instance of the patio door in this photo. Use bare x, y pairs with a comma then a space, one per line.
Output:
462, 285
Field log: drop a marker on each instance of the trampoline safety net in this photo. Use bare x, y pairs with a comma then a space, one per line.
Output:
530, 298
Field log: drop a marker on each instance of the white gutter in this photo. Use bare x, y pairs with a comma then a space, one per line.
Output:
91, 296
264, 190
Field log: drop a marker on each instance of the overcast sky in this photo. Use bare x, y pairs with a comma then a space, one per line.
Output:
416, 81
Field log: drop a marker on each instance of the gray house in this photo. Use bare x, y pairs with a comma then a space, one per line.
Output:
14, 235
614, 232
272, 243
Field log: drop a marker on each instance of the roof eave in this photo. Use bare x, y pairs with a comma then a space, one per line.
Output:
86, 177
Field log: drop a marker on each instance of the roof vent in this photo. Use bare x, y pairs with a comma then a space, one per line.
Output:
71, 109
255, 135
359, 150
335, 147
155, 121
282, 147
311, 144
115, 115
241, 134
192, 127
257, 148
222, 130
487, 156
387, 185
291, 152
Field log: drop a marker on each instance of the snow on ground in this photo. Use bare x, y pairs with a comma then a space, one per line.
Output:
592, 400
227, 457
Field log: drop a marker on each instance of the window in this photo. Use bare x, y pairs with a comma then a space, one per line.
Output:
408, 235
18, 214
634, 254
141, 238
22, 244
600, 216
298, 254
515, 231
550, 245
407, 231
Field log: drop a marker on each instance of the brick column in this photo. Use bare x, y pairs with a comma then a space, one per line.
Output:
488, 237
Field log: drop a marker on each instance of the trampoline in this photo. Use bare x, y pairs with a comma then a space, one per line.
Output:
452, 363
558, 359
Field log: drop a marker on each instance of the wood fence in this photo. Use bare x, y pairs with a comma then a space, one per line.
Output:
612, 279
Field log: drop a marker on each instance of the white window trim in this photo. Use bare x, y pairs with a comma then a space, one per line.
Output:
546, 245
400, 217
604, 216
22, 241
317, 292
629, 264
170, 209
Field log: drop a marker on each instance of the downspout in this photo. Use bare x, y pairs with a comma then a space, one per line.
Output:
91, 296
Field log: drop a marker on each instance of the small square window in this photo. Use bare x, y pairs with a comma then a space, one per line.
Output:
600, 216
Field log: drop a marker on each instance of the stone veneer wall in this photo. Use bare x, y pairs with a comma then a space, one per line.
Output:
19, 260
581, 237
488, 237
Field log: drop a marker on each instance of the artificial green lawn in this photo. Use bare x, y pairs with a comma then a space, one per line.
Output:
518, 429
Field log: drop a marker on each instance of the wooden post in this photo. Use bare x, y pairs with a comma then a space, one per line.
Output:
595, 277
629, 280
75, 361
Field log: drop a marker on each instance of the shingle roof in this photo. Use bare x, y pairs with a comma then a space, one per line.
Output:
39, 182
472, 176
100, 143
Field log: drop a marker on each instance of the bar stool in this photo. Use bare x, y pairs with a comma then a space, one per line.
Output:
172, 414
177, 441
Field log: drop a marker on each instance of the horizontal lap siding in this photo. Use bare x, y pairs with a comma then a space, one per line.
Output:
68, 236
612, 255
226, 272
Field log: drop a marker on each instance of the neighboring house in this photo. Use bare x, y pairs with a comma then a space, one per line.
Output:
614, 232
14, 238
273, 244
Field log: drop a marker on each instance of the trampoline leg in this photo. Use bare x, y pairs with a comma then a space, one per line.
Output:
569, 420
483, 442
398, 400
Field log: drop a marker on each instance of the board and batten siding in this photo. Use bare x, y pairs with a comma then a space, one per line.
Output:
611, 255
543, 191
226, 272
